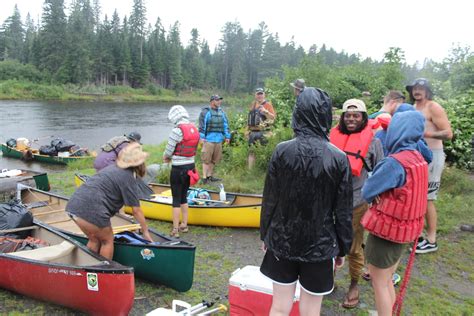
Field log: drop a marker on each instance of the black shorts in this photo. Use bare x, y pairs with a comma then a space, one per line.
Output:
179, 180
315, 278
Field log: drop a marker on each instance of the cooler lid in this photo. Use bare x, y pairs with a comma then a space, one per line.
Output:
250, 278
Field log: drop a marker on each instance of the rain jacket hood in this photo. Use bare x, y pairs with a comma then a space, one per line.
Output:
312, 114
178, 115
307, 199
404, 131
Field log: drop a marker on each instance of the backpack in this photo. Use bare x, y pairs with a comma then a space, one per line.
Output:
194, 194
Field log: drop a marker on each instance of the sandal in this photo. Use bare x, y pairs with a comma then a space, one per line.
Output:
175, 232
183, 229
350, 303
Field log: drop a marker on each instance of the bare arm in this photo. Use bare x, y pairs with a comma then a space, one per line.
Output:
138, 214
440, 120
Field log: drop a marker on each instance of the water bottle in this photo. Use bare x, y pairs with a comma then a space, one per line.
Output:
222, 195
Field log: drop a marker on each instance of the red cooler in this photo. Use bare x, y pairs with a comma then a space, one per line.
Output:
250, 293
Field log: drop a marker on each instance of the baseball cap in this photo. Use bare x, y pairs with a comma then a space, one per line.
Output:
259, 90
298, 84
216, 97
358, 104
134, 136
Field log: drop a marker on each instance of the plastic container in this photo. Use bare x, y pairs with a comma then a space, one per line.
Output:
251, 293
222, 194
63, 154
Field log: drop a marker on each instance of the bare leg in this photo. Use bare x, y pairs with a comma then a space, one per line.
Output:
383, 289
106, 237
251, 160
282, 299
101, 239
176, 213
184, 212
431, 222
205, 170
210, 169
310, 305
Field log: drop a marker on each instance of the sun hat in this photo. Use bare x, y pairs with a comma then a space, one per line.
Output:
298, 84
358, 104
131, 156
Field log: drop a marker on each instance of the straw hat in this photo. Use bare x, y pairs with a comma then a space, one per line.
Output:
131, 156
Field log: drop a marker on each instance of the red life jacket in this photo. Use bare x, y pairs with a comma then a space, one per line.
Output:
188, 145
355, 145
399, 216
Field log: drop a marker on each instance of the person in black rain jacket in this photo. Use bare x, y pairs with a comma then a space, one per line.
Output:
306, 218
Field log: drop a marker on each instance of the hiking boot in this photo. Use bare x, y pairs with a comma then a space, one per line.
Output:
175, 233
212, 179
204, 180
424, 246
396, 278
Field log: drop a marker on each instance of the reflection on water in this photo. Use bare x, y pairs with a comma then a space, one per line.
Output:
88, 124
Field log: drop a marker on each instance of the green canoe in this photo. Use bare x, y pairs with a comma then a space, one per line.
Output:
169, 261
15, 153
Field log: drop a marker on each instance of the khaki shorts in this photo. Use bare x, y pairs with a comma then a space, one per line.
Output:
211, 153
435, 169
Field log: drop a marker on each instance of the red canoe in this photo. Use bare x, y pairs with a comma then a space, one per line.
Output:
68, 274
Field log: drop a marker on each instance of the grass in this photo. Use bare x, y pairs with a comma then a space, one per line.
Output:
25, 90
442, 283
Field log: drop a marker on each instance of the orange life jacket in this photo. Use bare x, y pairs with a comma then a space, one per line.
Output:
355, 145
188, 145
399, 216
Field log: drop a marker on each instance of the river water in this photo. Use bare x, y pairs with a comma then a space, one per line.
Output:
88, 124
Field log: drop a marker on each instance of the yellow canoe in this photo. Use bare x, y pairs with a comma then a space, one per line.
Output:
240, 210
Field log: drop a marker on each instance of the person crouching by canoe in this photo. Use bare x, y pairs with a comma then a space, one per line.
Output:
180, 151
112, 148
396, 190
354, 135
104, 194
306, 218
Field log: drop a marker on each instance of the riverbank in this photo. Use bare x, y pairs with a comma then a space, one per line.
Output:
24, 90
442, 283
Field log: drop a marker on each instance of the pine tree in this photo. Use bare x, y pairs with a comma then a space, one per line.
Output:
14, 34
52, 38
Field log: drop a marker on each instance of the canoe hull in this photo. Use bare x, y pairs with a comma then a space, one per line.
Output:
68, 286
172, 267
13, 153
78, 278
244, 216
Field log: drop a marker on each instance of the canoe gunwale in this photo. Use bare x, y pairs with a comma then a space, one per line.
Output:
110, 267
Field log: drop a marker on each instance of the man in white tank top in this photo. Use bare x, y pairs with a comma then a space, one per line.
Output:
437, 129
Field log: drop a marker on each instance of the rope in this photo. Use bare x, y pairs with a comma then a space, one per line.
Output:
397, 307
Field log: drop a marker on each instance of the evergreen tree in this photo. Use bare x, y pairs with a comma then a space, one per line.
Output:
30, 36
52, 38
193, 65
173, 57
157, 53
13, 34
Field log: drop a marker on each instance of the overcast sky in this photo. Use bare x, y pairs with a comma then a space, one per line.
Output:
423, 29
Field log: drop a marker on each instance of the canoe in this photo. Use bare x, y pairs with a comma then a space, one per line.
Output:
68, 274
15, 153
240, 210
168, 261
9, 179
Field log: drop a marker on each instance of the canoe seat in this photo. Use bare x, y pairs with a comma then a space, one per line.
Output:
46, 253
